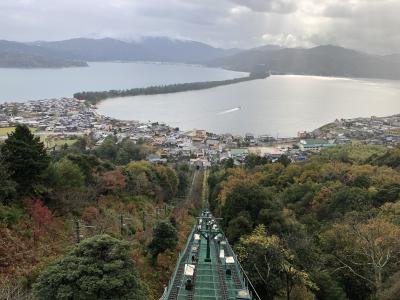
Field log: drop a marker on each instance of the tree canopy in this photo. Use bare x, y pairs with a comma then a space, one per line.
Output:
334, 217
98, 268
165, 237
25, 157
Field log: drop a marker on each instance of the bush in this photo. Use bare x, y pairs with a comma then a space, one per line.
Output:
9, 215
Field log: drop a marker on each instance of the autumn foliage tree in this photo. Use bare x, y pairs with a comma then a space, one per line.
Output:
90, 215
367, 250
111, 181
270, 265
337, 215
40, 215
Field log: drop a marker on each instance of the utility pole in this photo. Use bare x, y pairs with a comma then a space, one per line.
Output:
159, 211
77, 231
78, 226
121, 223
144, 221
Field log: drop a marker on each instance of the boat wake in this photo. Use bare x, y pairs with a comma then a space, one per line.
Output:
229, 111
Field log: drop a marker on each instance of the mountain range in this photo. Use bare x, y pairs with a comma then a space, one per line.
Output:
20, 55
327, 60
76, 52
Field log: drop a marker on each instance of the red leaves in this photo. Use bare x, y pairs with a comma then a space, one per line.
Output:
90, 215
40, 215
112, 180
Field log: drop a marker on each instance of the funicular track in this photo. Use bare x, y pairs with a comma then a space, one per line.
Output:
176, 285
207, 268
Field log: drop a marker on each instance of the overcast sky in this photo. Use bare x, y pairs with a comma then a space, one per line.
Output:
370, 25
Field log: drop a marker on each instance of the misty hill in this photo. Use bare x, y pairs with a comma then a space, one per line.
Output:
20, 55
393, 57
184, 51
322, 61
147, 49
99, 50
75, 52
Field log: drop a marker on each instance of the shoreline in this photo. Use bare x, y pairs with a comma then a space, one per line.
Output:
96, 97
79, 119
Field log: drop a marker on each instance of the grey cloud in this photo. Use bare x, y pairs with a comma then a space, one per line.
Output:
274, 6
369, 25
338, 10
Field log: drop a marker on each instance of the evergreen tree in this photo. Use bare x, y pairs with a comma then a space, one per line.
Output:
165, 237
98, 268
284, 160
7, 185
25, 157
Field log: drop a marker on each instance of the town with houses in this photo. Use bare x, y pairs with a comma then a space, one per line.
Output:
67, 119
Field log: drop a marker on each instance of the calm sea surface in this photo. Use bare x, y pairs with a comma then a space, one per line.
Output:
279, 105
34, 84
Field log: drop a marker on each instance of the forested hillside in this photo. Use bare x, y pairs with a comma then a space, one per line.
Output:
129, 216
88, 222
325, 60
328, 228
20, 55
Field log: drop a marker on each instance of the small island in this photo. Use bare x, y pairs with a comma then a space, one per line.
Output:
95, 97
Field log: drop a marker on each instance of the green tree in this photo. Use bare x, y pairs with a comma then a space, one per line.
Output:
140, 177
98, 268
347, 199
144, 178
108, 148
270, 265
239, 226
245, 196
183, 173
328, 288
168, 181
165, 237
25, 157
66, 174
389, 192
229, 163
7, 185
90, 165
284, 160
253, 160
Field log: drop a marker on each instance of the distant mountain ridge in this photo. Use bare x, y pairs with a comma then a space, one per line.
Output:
147, 49
174, 50
327, 60
78, 51
20, 55
106, 49
393, 57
